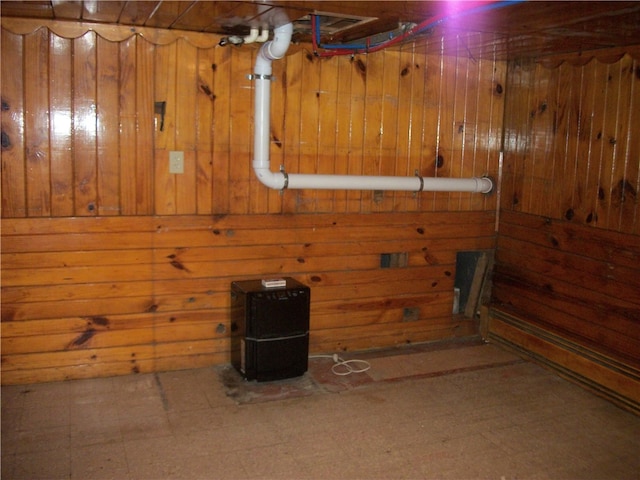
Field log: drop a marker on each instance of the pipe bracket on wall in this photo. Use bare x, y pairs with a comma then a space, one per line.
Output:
286, 178
257, 76
417, 174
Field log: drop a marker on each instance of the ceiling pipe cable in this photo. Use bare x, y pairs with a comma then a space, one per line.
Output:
275, 50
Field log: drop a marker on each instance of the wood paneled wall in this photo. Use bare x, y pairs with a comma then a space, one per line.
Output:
86, 297
571, 145
82, 139
111, 265
566, 287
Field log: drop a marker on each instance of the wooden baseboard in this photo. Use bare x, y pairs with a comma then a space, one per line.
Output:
605, 376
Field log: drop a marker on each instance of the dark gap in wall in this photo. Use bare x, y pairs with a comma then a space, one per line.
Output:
467, 264
394, 260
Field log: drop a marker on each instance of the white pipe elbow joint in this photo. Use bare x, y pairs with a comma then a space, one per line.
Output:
252, 37
264, 35
274, 180
485, 185
276, 48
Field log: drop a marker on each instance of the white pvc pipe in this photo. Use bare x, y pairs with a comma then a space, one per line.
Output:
275, 50
413, 184
264, 35
252, 37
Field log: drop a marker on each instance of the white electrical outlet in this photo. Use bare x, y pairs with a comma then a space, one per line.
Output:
176, 162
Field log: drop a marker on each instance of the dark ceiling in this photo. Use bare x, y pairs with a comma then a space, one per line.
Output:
506, 30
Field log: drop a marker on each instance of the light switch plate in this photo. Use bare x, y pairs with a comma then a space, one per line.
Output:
176, 162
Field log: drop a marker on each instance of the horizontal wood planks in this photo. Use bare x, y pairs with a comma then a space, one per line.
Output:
86, 297
575, 284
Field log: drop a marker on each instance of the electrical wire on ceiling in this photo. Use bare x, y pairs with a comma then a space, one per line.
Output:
409, 30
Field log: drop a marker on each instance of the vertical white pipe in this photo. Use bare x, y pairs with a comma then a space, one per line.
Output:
269, 51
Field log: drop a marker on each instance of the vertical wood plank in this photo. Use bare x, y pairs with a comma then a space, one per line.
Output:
405, 165
613, 169
586, 198
548, 163
291, 126
145, 127
485, 141
185, 100
13, 124
36, 103
389, 125
372, 123
432, 158
601, 179
108, 127
568, 142
342, 127
240, 133
470, 129
581, 129
221, 131
165, 138
206, 98
356, 132
128, 104
85, 124
418, 161
496, 131
528, 160
447, 109
535, 189
526, 164
516, 139
309, 118
327, 96
60, 65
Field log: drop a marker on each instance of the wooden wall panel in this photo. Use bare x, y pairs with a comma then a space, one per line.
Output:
565, 289
94, 146
570, 149
112, 264
36, 122
85, 297
84, 132
594, 294
60, 92
13, 124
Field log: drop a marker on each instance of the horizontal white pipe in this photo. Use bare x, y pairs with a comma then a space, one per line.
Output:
412, 184
276, 49
295, 181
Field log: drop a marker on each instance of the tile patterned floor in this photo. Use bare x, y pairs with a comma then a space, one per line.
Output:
490, 416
